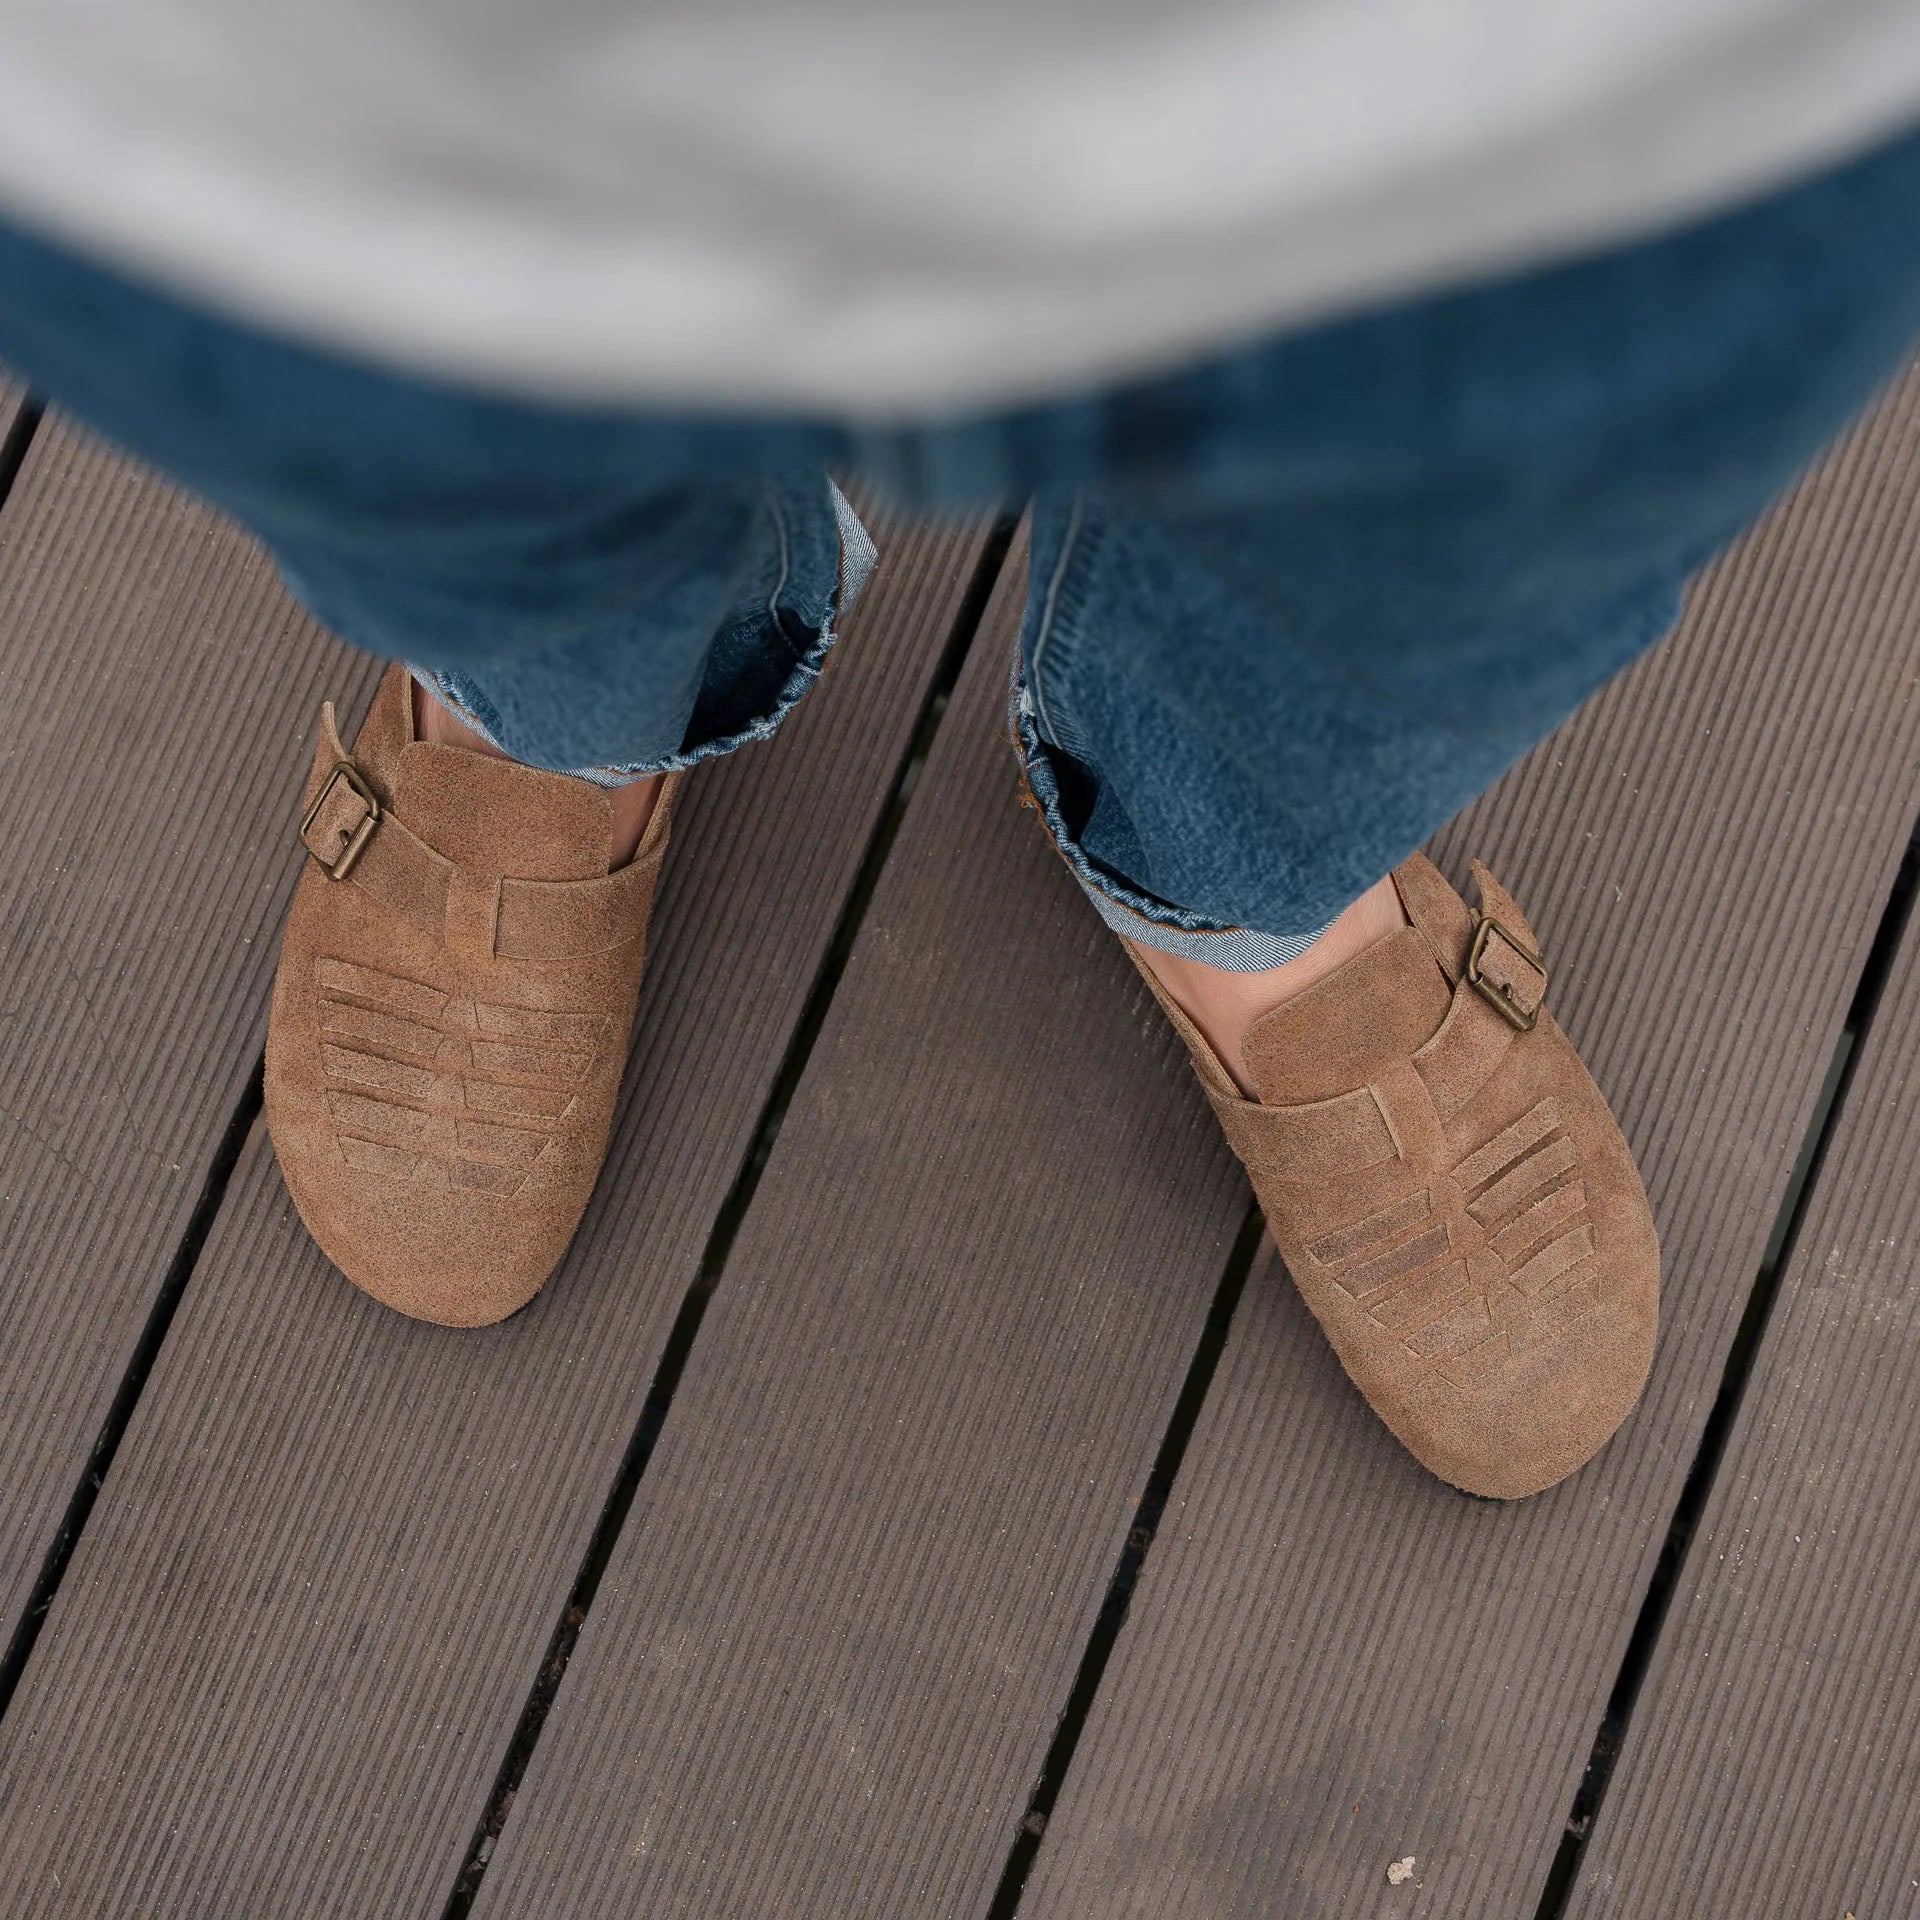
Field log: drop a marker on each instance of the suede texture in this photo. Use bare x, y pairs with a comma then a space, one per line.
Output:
1450, 1192
451, 1018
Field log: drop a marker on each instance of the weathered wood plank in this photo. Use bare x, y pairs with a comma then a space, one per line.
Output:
1332, 1661
1772, 1764
157, 686
296, 1637
839, 1629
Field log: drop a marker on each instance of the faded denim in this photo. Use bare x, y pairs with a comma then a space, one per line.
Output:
1290, 608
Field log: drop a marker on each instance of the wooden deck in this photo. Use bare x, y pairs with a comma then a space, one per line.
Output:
920, 1493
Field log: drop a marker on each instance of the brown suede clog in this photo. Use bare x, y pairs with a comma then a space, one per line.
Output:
1450, 1192
452, 1013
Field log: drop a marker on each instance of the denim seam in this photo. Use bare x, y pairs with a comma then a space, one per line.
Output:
1043, 793
1126, 911
786, 553
1027, 704
1053, 640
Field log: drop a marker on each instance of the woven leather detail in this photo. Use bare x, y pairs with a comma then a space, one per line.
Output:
1469, 1273
445, 1090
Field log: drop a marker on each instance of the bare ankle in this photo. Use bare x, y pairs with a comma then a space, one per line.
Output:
437, 723
1224, 1005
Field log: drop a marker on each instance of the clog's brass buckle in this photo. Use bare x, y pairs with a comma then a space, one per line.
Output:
342, 862
1496, 993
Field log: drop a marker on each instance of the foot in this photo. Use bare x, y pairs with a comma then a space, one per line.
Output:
1441, 1176
453, 1009
632, 804
1225, 1005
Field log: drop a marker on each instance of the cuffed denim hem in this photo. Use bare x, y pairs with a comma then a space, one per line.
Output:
858, 557
1130, 913
447, 688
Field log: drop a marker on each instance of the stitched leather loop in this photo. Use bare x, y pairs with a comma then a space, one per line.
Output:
535, 919
1460, 1059
1325, 1140
568, 919
472, 915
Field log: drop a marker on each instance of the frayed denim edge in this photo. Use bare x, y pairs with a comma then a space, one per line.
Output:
793, 689
1133, 915
858, 558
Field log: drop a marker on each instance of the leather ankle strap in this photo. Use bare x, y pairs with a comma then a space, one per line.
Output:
535, 920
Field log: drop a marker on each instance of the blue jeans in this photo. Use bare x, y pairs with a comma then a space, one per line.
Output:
1289, 608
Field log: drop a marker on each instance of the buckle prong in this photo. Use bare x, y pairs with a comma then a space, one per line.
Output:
356, 838
1496, 993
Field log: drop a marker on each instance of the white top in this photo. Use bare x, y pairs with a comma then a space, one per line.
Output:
887, 207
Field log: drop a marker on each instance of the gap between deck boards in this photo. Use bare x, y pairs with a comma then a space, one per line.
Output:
1829, 564
16, 435
1709, 1459
1027, 1840
733, 1210
992, 551
1868, 990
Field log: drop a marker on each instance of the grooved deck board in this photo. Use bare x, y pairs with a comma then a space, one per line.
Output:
157, 688
1772, 1765
1333, 1661
298, 1632
849, 1602
11, 396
